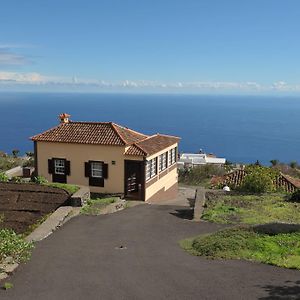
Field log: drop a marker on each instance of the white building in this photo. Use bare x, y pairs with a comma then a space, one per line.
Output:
193, 159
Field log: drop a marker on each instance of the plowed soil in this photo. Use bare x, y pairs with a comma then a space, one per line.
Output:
23, 205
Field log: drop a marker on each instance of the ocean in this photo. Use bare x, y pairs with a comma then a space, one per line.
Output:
239, 128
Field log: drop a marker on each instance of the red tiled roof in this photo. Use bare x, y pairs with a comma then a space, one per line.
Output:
235, 179
105, 133
156, 143
135, 150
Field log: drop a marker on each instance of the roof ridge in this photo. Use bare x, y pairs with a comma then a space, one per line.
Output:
141, 148
113, 125
147, 138
168, 135
89, 122
132, 130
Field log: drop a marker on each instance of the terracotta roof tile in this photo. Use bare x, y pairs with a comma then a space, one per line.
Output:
135, 150
235, 178
105, 133
156, 143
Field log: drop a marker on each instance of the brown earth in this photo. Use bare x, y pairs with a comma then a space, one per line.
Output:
23, 205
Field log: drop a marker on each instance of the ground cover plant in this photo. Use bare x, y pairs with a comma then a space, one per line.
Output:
13, 245
251, 209
281, 249
70, 188
95, 206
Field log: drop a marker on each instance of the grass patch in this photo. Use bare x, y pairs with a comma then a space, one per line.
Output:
13, 245
251, 209
281, 250
95, 206
70, 188
7, 286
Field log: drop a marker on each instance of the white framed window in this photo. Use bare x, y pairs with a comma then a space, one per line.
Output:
172, 156
163, 161
151, 169
169, 157
59, 166
148, 170
96, 169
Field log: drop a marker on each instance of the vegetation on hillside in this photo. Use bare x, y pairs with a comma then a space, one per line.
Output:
95, 206
13, 245
9, 161
281, 249
259, 179
251, 209
200, 175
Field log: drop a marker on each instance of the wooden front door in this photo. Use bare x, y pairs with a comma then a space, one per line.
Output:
134, 180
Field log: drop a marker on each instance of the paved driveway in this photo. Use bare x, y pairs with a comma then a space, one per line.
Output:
82, 261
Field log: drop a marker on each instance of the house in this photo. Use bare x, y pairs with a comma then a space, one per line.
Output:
197, 159
108, 158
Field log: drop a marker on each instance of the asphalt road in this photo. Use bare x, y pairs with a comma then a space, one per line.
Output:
82, 261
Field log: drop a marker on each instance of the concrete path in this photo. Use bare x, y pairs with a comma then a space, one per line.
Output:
53, 222
185, 197
134, 254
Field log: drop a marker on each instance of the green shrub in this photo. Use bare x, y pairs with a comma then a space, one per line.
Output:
13, 245
295, 197
259, 180
200, 174
3, 177
17, 179
39, 180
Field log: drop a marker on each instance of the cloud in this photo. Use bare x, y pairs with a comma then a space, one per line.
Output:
75, 82
23, 78
8, 57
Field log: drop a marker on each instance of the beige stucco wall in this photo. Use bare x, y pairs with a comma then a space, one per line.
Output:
78, 154
166, 182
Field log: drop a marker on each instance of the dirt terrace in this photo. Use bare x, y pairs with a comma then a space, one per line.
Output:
23, 205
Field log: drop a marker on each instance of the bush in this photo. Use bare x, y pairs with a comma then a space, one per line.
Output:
259, 180
39, 180
200, 174
3, 177
13, 245
295, 197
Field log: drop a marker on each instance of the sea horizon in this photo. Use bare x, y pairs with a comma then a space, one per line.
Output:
241, 128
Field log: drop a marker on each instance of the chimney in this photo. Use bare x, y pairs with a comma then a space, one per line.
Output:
64, 118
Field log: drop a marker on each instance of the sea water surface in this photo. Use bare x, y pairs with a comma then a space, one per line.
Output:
239, 128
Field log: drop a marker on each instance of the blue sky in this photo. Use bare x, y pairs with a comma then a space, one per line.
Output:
210, 46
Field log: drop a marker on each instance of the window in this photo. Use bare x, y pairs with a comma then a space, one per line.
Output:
163, 161
172, 156
59, 166
96, 170
151, 169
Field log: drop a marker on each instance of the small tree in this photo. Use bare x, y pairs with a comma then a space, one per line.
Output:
259, 180
257, 163
274, 162
15, 152
293, 164
29, 154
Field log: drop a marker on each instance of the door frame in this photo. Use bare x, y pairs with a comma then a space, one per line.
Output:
141, 178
